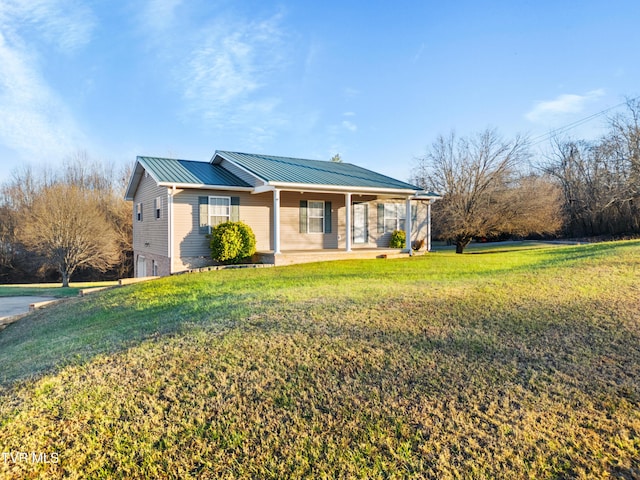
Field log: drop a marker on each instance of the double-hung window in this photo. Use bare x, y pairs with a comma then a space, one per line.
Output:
214, 210
219, 210
315, 217
395, 215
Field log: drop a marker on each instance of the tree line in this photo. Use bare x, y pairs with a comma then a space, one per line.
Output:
492, 187
74, 221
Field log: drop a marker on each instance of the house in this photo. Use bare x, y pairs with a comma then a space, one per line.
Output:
293, 206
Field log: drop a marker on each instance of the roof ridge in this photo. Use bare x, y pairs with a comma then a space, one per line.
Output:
172, 159
282, 159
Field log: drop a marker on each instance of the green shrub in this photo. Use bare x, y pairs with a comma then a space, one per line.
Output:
398, 239
232, 242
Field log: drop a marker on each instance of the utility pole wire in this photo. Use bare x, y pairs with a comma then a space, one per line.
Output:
552, 133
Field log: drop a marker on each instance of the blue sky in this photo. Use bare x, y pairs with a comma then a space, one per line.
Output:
375, 81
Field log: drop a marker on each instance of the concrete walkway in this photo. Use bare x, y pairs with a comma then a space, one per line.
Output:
11, 306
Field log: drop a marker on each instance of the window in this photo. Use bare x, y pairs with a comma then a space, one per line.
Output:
157, 207
139, 211
154, 268
219, 210
215, 210
315, 217
394, 216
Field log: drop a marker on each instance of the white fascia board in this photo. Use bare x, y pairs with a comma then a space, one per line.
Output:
430, 198
263, 189
204, 187
136, 176
310, 187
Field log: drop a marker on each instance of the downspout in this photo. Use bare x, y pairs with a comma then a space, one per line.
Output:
429, 225
171, 192
347, 201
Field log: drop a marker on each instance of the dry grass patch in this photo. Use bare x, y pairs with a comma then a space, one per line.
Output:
406, 370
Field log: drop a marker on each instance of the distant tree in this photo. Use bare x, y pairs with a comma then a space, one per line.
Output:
600, 180
97, 181
67, 225
336, 158
7, 238
483, 191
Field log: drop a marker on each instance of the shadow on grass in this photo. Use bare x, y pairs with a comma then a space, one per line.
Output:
119, 319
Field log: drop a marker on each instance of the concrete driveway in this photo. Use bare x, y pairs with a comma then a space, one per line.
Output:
10, 306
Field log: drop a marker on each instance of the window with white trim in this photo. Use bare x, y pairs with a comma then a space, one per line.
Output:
315, 217
157, 207
395, 215
139, 211
219, 210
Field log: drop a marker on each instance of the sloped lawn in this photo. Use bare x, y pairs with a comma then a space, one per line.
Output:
522, 364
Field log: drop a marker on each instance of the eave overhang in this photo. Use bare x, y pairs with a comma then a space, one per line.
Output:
316, 188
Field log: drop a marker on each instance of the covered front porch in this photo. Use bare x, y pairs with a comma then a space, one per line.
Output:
310, 221
290, 257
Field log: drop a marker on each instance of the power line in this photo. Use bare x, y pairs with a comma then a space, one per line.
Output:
556, 131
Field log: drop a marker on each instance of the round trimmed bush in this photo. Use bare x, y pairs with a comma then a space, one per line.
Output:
232, 242
398, 239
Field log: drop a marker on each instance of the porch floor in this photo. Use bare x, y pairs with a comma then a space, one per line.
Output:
290, 257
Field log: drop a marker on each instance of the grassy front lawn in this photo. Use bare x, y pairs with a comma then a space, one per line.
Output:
522, 364
49, 289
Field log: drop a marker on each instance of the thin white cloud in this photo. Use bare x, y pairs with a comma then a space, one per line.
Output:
350, 92
231, 63
160, 14
225, 66
35, 123
312, 53
349, 114
418, 54
352, 127
67, 24
563, 104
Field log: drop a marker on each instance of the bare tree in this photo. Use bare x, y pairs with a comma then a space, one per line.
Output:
7, 238
97, 182
600, 180
67, 225
483, 192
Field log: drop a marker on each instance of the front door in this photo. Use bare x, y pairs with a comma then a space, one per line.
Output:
360, 223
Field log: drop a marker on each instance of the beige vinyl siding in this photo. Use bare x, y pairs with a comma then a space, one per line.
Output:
420, 228
419, 225
151, 235
290, 236
254, 210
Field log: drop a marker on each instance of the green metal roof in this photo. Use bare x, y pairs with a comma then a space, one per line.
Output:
312, 172
169, 170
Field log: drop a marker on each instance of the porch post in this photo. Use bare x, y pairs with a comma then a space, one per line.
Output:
276, 221
347, 203
407, 227
429, 226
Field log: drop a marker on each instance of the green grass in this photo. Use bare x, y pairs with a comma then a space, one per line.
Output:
49, 289
520, 364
